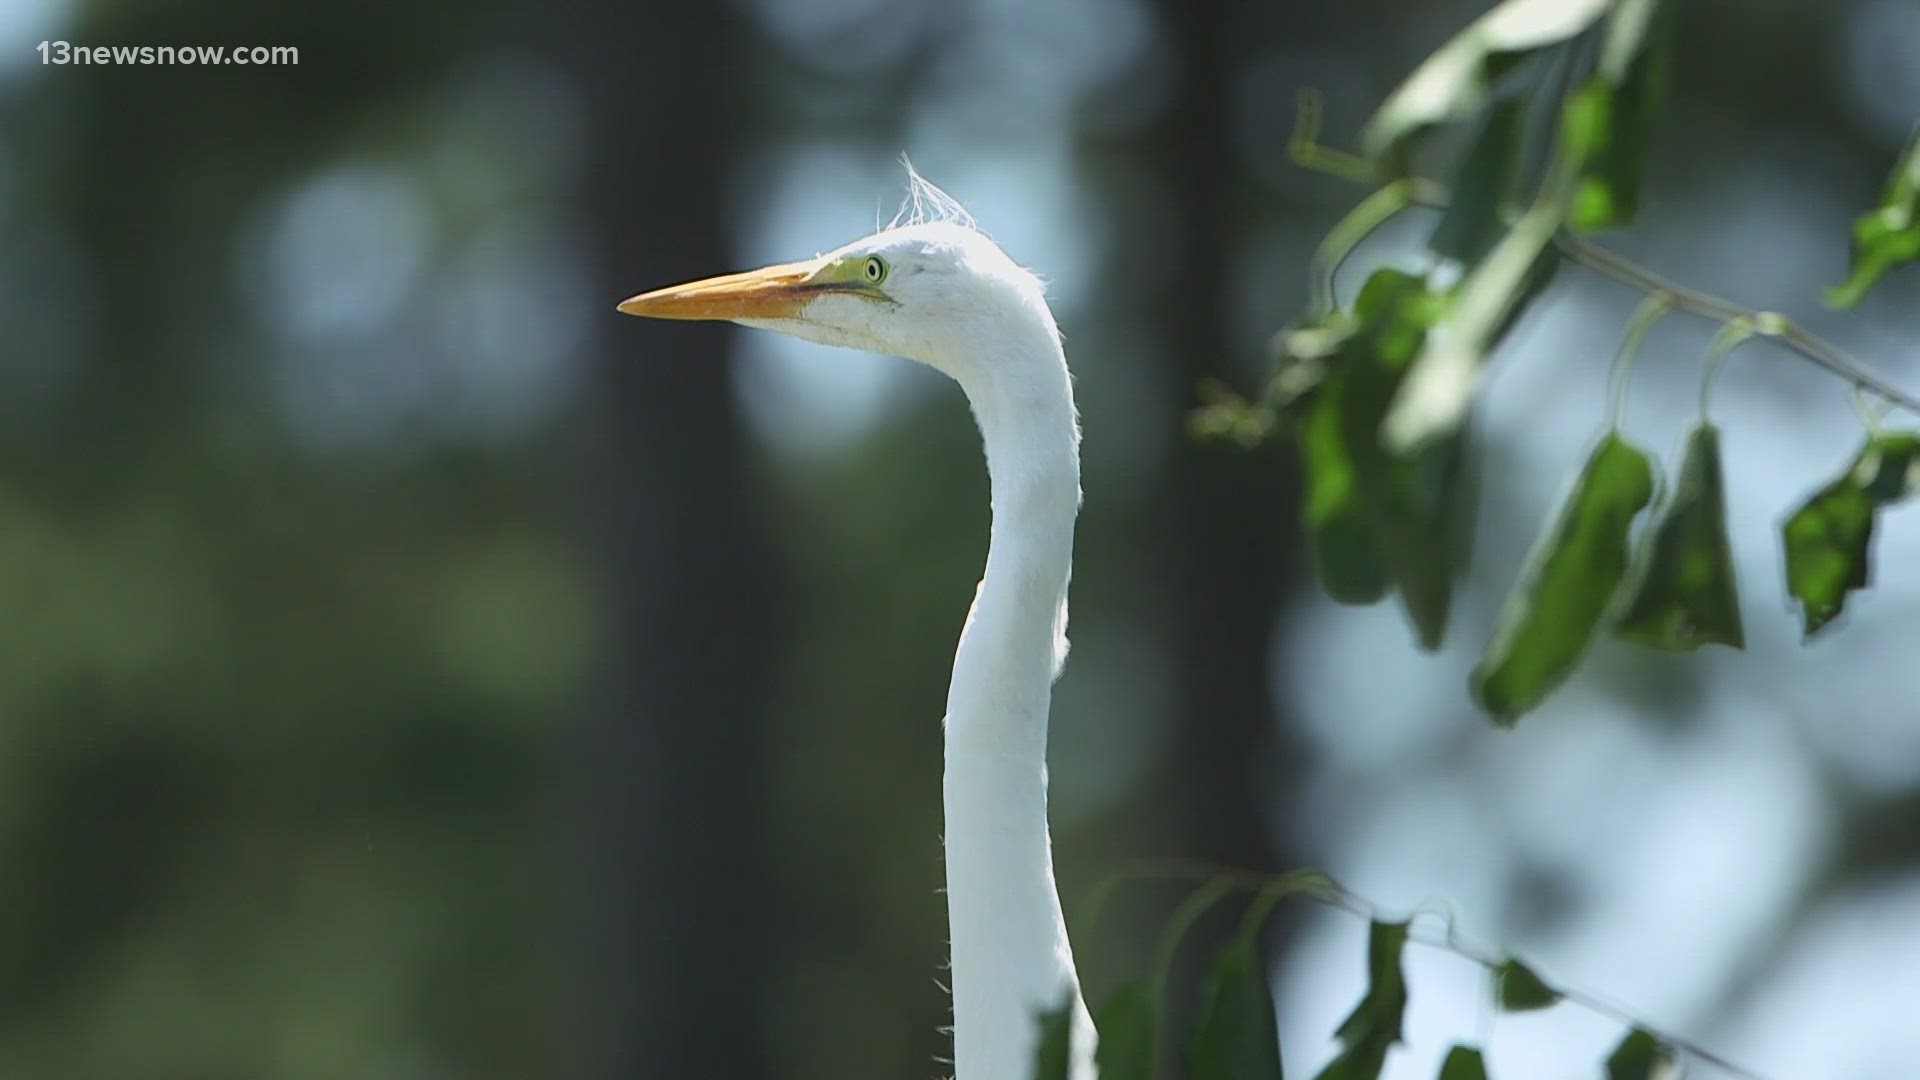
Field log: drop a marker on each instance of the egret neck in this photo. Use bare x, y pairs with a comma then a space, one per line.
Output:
938, 291
1010, 954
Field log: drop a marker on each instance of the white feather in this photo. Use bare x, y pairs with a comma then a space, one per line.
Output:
956, 302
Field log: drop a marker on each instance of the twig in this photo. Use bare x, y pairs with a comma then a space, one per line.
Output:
1324, 890
1768, 324
1648, 313
1721, 347
1360, 223
1432, 195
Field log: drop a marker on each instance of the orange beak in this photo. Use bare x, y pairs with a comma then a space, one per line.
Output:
773, 292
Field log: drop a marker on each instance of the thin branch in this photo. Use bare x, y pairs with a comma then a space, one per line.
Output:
1306, 151
1323, 890
1768, 324
1360, 223
1432, 195
1649, 312
1721, 347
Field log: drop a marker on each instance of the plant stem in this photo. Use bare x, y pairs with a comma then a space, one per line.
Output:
1648, 313
1432, 195
1374, 211
1307, 152
1722, 346
1321, 889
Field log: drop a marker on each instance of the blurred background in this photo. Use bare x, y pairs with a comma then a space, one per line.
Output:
413, 670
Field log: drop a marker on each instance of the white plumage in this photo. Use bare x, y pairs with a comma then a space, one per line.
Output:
932, 288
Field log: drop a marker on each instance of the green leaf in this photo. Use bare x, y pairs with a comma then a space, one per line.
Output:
1609, 121
1587, 120
1588, 130
1370, 1031
1429, 530
1395, 310
1416, 500
1640, 1056
1517, 989
1236, 1038
1828, 539
1376, 520
1886, 236
1525, 25
1340, 532
1684, 592
1463, 1063
1379, 1014
1540, 134
1633, 24
1433, 400
1225, 415
1454, 80
1126, 1026
1053, 1055
1569, 581
1304, 356
1341, 538
1481, 186
1827, 552
1362, 1061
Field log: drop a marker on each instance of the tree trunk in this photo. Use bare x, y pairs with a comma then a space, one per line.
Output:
1231, 510
673, 758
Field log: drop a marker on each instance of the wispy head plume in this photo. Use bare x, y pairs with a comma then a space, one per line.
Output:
925, 203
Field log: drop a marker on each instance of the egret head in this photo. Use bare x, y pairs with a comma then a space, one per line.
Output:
932, 289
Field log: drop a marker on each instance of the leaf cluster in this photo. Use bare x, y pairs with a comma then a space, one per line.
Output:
1564, 99
1886, 236
1235, 1035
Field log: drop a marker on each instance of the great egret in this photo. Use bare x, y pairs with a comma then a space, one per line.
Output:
932, 288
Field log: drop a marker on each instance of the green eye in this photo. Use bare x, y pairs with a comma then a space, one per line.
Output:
875, 270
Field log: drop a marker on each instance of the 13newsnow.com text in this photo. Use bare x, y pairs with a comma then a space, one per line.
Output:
63, 52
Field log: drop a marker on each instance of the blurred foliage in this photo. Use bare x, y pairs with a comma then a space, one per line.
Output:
1517, 989
1129, 1048
1234, 1038
1377, 396
1683, 592
316, 884
1053, 1054
1828, 540
1463, 1063
288, 678
1374, 522
1453, 83
1610, 120
1886, 236
1641, 1057
1567, 585
1371, 1030
277, 723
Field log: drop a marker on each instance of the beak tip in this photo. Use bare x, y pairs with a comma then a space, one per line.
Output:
771, 292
